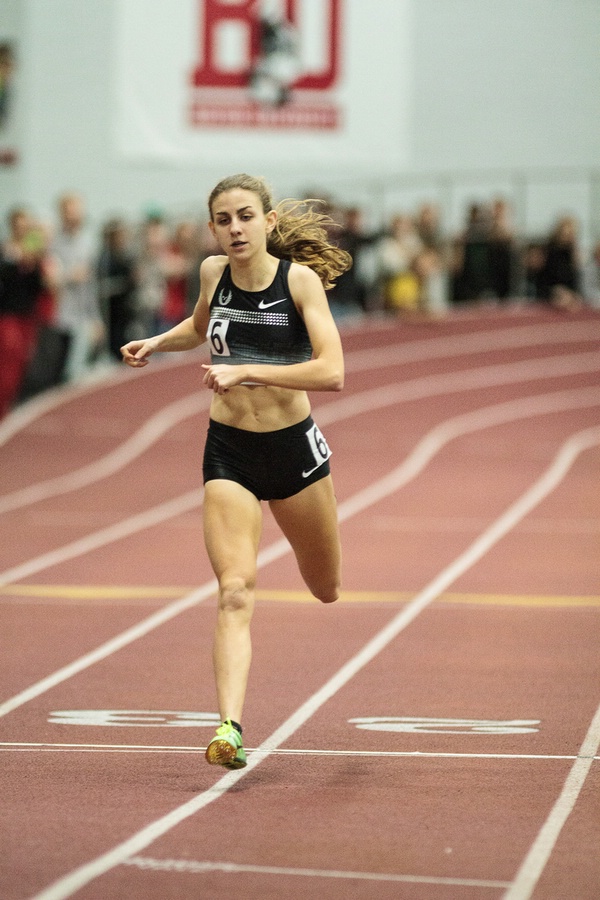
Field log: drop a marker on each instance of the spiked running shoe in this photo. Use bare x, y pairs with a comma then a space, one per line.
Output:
226, 748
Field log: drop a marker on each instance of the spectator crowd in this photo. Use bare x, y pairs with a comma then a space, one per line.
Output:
69, 299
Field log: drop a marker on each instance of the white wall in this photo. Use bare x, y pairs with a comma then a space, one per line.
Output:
513, 84
503, 86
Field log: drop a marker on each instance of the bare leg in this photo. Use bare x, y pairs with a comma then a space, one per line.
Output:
232, 528
309, 521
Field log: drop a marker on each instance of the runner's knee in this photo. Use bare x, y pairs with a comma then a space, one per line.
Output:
235, 594
328, 597
326, 593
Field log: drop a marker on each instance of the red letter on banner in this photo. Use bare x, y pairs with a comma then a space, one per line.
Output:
209, 74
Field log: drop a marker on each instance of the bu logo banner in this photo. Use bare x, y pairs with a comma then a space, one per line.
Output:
297, 89
267, 66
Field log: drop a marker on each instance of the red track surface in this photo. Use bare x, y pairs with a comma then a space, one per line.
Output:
466, 462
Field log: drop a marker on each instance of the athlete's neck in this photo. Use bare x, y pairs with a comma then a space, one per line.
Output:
254, 275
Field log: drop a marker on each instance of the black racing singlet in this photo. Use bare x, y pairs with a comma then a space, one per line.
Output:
257, 326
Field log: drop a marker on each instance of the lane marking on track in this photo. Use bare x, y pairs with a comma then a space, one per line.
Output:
148, 718
70, 883
378, 398
150, 432
66, 594
427, 386
430, 725
535, 862
125, 528
54, 398
134, 718
512, 337
458, 524
33, 747
446, 383
415, 462
185, 866
516, 600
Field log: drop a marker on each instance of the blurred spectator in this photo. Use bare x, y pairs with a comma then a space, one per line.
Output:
179, 259
206, 246
151, 274
431, 264
502, 252
51, 300
591, 278
353, 288
534, 257
429, 227
559, 280
23, 277
78, 314
115, 273
397, 253
471, 258
432, 278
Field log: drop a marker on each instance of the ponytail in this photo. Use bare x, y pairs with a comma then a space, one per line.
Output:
301, 235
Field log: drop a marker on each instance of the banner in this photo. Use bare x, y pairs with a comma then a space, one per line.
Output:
307, 82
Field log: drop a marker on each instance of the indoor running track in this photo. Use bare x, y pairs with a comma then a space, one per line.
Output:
432, 736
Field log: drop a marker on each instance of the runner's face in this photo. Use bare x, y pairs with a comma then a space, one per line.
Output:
239, 223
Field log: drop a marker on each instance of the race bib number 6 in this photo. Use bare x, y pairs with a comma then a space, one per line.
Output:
217, 334
318, 445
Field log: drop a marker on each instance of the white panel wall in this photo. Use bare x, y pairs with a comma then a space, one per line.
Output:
513, 84
485, 85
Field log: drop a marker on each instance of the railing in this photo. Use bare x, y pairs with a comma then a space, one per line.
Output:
537, 196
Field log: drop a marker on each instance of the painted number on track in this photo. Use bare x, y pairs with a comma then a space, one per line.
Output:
137, 717
420, 725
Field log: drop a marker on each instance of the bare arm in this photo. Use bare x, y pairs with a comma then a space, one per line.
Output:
324, 372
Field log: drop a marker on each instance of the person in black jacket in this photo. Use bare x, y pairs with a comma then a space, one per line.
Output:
116, 286
559, 279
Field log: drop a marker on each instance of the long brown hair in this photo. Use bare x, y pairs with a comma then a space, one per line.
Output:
301, 232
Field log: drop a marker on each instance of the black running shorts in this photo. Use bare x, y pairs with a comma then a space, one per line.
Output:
272, 465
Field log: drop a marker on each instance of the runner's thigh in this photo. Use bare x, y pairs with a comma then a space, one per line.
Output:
309, 521
232, 528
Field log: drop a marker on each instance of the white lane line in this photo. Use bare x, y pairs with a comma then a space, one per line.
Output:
54, 398
150, 432
188, 866
431, 444
535, 862
387, 395
67, 885
125, 528
458, 426
411, 351
378, 398
446, 347
33, 747
109, 647
457, 382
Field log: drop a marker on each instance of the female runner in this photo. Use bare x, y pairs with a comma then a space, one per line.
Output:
264, 311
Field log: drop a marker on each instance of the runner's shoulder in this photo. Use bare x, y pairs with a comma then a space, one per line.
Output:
213, 266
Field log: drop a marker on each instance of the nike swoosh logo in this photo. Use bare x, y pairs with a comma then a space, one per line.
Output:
310, 471
263, 305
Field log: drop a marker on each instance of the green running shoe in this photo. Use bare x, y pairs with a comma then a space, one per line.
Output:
226, 748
